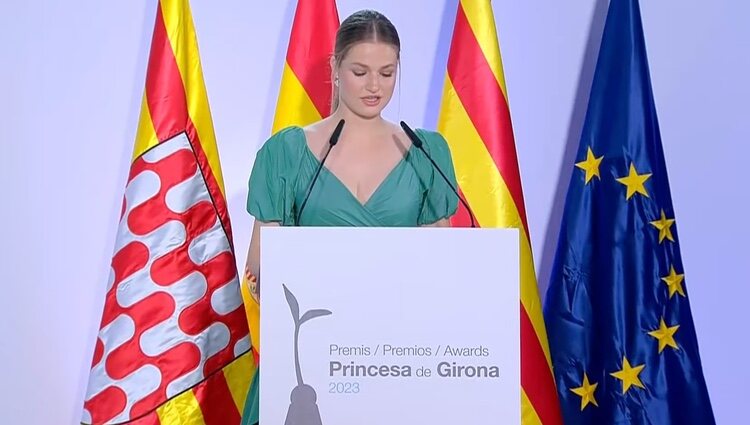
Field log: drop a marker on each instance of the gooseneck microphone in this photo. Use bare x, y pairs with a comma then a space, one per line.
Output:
331, 143
416, 141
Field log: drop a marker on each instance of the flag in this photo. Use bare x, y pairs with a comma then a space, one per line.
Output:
173, 346
475, 120
305, 93
304, 98
623, 344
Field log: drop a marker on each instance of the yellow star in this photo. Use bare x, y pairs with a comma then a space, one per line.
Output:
634, 182
590, 165
629, 375
674, 282
665, 335
586, 391
664, 225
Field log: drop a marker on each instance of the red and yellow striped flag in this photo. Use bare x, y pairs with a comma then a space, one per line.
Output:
173, 346
305, 93
475, 119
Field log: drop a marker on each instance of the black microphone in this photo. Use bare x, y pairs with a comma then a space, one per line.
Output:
331, 143
416, 141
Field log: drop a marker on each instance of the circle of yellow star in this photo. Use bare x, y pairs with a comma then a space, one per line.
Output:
590, 165
674, 282
629, 375
586, 391
665, 335
664, 225
634, 182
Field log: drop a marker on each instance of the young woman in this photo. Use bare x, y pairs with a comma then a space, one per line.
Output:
372, 177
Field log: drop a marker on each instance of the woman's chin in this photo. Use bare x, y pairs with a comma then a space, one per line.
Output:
367, 112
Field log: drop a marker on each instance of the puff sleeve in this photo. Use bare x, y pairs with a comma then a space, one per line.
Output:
273, 179
439, 200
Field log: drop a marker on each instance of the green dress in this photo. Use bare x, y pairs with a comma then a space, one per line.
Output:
412, 194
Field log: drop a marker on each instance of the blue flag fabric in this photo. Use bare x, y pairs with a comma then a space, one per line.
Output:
621, 334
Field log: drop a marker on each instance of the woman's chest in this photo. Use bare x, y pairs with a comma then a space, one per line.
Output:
392, 199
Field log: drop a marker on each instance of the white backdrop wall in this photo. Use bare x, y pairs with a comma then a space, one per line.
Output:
72, 78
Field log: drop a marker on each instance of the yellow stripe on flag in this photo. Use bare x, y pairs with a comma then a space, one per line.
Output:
294, 106
236, 375
145, 137
178, 22
181, 410
528, 413
485, 32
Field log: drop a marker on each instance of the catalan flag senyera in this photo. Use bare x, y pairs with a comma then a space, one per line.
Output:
475, 119
173, 346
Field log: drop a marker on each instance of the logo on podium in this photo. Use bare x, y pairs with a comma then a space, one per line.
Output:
303, 409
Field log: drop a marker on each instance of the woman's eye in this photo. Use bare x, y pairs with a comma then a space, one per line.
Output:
387, 75
359, 74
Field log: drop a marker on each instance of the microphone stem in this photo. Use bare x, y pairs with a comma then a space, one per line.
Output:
447, 180
312, 182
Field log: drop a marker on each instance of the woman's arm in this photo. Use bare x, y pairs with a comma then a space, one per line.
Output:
252, 265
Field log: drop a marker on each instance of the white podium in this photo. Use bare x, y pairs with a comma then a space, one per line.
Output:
389, 326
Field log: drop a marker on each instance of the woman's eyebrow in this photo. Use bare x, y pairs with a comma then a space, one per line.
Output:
367, 67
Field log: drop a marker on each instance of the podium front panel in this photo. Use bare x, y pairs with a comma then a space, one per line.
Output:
389, 326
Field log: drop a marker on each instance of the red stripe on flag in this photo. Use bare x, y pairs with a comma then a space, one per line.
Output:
256, 356
482, 97
216, 402
213, 186
165, 93
149, 419
311, 47
536, 376
462, 218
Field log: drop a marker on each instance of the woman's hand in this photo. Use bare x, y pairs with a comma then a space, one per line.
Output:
251, 280
251, 276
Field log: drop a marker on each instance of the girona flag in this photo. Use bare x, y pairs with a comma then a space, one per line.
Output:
173, 346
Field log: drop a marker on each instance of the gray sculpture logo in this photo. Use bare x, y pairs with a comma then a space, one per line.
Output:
303, 409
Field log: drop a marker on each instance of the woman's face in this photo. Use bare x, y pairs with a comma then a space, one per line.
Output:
367, 77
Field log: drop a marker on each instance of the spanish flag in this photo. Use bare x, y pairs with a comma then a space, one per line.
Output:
304, 98
475, 119
173, 347
305, 93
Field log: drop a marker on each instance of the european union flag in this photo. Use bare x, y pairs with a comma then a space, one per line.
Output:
621, 334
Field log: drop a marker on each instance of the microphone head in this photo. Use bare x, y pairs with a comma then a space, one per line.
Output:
411, 135
336, 133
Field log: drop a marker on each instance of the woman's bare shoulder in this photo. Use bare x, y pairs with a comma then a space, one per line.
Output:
317, 133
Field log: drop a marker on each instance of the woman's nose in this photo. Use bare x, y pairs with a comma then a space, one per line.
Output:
372, 84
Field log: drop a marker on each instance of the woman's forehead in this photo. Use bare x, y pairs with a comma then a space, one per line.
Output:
372, 53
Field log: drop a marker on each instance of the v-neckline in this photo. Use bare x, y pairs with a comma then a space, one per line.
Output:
341, 183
